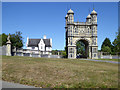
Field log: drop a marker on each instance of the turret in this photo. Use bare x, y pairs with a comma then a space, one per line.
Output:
94, 17
94, 26
70, 16
66, 18
88, 19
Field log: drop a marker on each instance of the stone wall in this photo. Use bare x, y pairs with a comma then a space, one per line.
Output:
107, 56
3, 50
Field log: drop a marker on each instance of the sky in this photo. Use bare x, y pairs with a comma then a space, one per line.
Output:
35, 19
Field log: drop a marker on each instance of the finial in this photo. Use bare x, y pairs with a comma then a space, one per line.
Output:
70, 6
8, 38
93, 6
89, 10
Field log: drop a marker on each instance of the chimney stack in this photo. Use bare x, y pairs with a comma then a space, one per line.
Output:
44, 37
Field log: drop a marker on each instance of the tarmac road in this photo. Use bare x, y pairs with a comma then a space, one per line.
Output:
6, 84
102, 61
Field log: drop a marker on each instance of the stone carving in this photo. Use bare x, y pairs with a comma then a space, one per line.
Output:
8, 39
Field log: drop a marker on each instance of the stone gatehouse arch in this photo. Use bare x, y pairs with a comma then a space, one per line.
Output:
87, 44
85, 31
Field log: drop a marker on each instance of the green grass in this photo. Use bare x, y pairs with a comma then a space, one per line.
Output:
59, 73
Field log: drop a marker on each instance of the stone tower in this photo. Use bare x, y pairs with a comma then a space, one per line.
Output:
81, 31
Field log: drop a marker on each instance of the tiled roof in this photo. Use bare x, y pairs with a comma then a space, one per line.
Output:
35, 42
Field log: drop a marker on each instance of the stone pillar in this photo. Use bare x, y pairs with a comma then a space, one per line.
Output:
89, 51
39, 54
58, 52
30, 54
8, 51
22, 54
72, 52
94, 52
101, 55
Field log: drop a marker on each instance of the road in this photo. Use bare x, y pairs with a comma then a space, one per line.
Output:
102, 61
14, 85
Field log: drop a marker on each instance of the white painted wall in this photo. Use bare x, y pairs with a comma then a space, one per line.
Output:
51, 42
48, 49
32, 48
41, 45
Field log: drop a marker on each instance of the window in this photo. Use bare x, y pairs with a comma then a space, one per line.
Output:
94, 50
75, 30
41, 47
94, 55
33, 47
88, 30
93, 29
94, 18
70, 50
70, 18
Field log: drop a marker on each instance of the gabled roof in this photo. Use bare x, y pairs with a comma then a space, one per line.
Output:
35, 42
47, 42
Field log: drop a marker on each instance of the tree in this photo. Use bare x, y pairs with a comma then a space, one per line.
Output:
16, 39
118, 40
106, 42
114, 47
106, 49
54, 52
64, 54
3, 39
80, 46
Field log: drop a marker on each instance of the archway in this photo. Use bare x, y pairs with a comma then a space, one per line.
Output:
82, 49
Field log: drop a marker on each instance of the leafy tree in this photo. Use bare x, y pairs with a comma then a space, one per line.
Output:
3, 39
116, 43
106, 49
106, 42
64, 54
54, 52
0, 40
80, 46
16, 39
118, 40
114, 47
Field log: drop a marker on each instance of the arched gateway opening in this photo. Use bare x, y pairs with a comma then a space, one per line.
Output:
82, 49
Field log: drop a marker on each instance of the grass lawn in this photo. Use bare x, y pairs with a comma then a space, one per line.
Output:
59, 73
